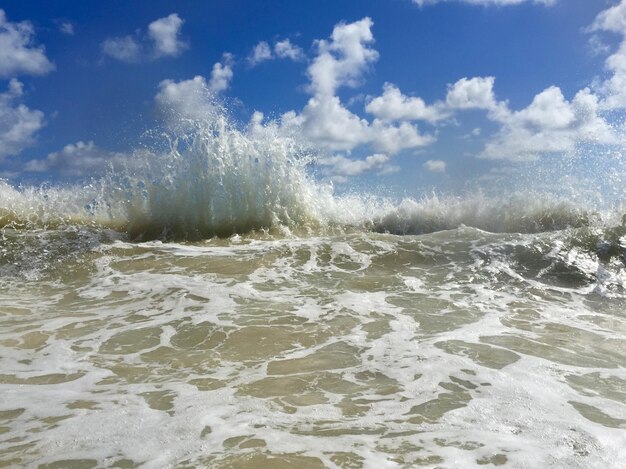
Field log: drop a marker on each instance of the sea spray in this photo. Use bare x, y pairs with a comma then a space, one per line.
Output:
317, 343
204, 176
217, 180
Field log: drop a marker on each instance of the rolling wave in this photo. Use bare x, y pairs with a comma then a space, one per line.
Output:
216, 180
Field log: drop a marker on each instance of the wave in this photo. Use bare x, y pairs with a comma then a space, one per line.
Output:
514, 213
213, 179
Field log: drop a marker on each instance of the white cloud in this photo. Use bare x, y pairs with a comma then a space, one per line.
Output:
286, 50
339, 168
392, 139
465, 94
186, 98
342, 60
324, 121
614, 89
549, 110
18, 52
66, 28
486, 2
329, 125
221, 74
550, 124
612, 19
195, 98
597, 46
393, 105
78, 159
165, 33
472, 93
18, 124
260, 53
163, 40
435, 166
125, 49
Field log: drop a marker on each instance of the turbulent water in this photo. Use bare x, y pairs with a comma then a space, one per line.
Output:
212, 305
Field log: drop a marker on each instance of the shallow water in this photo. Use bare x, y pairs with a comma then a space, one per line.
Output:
454, 349
334, 331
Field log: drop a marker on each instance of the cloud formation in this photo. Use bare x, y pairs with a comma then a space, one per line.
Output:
19, 54
393, 105
550, 124
66, 28
435, 166
162, 40
486, 3
125, 49
194, 98
339, 168
165, 33
260, 53
222, 74
342, 60
613, 20
18, 123
284, 49
78, 160
325, 121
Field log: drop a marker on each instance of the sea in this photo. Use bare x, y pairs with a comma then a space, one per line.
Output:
215, 304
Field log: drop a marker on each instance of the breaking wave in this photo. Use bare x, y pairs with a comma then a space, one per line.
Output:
212, 179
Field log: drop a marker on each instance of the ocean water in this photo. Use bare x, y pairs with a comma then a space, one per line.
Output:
213, 305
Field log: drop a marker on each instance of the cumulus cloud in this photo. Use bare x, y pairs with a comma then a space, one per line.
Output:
472, 93
194, 98
339, 168
162, 40
284, 49
392, 139
465, 94
186, 98
435, 166
78, 159
19, 53
18, 123
486, 2
221, 74
613, 20
125, 49
330, 125
165, 33
325, 121
66, 28
260, 53
550, 124
393, 105
342, 60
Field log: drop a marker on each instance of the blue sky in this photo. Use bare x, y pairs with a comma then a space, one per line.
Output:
406, 94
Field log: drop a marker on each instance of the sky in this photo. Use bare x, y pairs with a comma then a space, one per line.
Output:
412, 95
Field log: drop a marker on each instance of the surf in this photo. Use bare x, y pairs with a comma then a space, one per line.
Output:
209, 177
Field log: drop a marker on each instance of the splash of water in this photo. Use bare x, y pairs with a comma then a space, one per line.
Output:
213, 179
